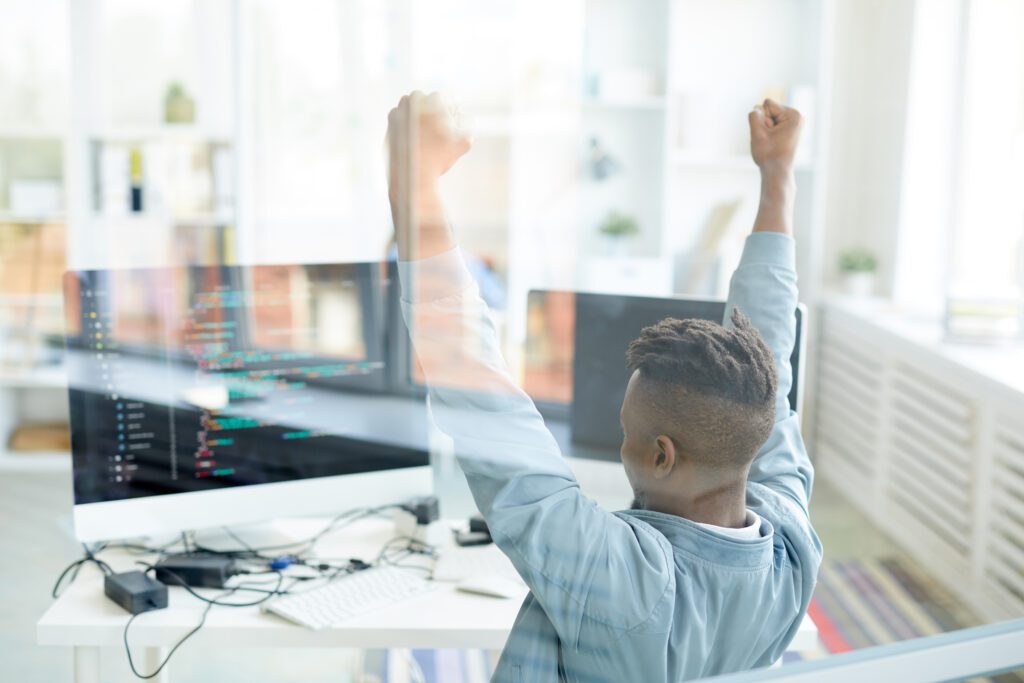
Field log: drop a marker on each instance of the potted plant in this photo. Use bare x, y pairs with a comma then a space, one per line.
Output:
616, 229
858, 267
178, 106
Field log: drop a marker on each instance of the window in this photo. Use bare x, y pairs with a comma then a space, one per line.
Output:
961, 231
988, 237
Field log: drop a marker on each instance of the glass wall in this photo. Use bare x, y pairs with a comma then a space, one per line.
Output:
610, 158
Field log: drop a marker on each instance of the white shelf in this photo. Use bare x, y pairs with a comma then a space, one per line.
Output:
204, 220
507, 125
652, 103
39, 378
34, 461
724, 162
6, 219
31, 133
9, 218
165, 132
149, 217
1001, 365
37, 299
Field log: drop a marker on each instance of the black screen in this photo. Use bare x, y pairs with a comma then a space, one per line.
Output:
605, 325
191, 379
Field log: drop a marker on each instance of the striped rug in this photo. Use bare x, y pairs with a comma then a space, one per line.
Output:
861, 603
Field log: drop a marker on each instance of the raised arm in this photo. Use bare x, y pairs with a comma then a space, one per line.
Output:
764, 288
564, 546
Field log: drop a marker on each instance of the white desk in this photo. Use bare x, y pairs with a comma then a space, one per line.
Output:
84, 619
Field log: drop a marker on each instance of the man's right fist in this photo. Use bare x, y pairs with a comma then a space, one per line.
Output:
774, 133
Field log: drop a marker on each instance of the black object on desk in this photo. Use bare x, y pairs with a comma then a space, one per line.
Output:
604, 326
201, 571
136, 592
478, 533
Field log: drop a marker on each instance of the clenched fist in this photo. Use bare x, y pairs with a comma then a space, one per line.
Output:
774, 133
423, 143
423, 140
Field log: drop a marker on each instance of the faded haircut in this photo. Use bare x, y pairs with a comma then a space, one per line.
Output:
709, 387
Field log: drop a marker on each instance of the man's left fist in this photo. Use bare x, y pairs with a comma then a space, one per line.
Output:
423, 140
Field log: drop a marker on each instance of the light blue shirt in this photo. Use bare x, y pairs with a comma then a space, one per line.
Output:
633, 595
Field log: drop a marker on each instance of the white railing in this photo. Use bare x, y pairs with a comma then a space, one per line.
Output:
955, 656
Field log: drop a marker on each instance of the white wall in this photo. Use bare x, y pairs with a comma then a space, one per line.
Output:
870, 84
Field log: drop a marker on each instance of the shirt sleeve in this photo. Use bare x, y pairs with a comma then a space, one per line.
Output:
764, 289
573, 555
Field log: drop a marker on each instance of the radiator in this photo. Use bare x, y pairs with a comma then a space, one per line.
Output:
929, 449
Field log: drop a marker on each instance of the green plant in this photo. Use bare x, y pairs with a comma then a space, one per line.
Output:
178, 106
857, 261
619, 225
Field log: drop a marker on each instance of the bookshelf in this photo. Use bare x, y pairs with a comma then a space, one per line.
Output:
684, 74
154, 183
662, 85
665, 87
31, 384
69, 158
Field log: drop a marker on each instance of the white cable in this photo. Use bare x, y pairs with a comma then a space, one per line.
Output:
415, 672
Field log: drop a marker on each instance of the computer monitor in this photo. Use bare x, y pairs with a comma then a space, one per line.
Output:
576, 356
210, 396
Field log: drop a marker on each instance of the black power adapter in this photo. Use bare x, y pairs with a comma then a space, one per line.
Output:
135, 591
477, 524
425, 509
200, 571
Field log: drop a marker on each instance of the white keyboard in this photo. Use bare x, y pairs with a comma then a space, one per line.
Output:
350, 596
456, 564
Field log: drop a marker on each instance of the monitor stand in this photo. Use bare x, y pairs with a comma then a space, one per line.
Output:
278, 536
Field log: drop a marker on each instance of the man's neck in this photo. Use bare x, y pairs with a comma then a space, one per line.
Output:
720, 504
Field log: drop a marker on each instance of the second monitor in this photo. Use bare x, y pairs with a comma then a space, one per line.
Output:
576, 357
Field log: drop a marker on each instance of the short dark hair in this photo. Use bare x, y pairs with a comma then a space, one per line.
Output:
711, 387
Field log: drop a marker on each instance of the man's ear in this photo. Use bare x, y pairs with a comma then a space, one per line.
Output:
665, 457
